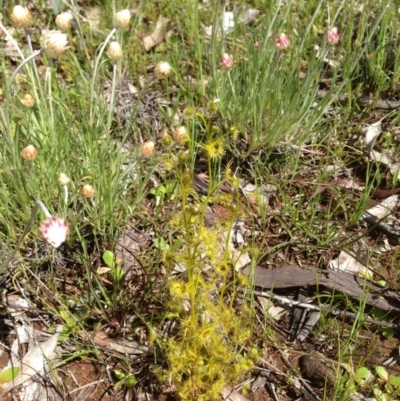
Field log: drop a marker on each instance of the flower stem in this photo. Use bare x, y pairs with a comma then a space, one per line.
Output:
25, 60
44, 209
66, 194
111, 105
96, 67
231, 84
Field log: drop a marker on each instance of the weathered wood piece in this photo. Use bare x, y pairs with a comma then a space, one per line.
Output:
349, 284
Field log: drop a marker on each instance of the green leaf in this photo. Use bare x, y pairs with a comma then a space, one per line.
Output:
382, 373
380, 395
130, 381
158, 191
394, 381
9, 375
117, 275
387, 332
362, 373
119, 374
382, 283
108, 258
379, 314
351, 387
161, 244
177, 245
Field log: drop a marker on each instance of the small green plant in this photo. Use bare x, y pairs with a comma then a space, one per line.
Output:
361, 377
379, 314
117, 273
387, 387
71, 323
163, 192
124, 379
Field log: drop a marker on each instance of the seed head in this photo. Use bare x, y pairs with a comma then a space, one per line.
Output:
64, 21
180, 134
28, 100
54, 43
21, 17
29, 152
226, 61
332, 36
54, 231
114, 51
122, 19
63, 179
162, 70
147, 148
282, 41
88, 191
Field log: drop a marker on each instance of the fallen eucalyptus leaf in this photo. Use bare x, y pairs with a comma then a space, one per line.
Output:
372, 131
157, 36
387, 161
35, 360
358, 264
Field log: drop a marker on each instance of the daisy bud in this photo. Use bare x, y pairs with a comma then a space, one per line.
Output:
54, 43
183, 157
63, 179
28, 100
122, 19
29, 153
226, 61
64, 21
166, 140
88, 191
332, 36
162, 70
213, 106
21, 17
180, 134
282, 41
147, 148
54, 231
114, 51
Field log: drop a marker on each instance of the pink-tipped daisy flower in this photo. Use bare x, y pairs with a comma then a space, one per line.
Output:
54, 231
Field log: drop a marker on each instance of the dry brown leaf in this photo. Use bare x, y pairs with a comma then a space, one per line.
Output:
385, 208
119, 344
387, 161
8, 48
157, 36
372, 131
230, 394
35, 360
358, 264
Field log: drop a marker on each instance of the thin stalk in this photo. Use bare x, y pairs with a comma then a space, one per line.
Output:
25, 60
50, 97
111, 105
66, 194
95, 69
